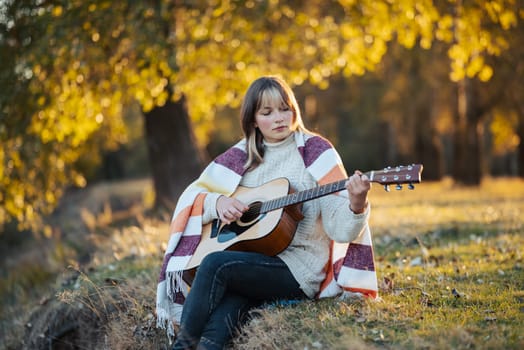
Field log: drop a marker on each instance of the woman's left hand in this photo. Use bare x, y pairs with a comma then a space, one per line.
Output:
358, 186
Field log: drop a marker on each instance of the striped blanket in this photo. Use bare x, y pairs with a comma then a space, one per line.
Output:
351, 266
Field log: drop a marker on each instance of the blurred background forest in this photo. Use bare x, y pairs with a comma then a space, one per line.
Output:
105, 90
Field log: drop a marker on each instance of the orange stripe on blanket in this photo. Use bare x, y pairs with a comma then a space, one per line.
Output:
179, 223
335, 174
366, 292
330, 273
198, 205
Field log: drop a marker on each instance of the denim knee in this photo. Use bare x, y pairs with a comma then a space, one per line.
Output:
211, 262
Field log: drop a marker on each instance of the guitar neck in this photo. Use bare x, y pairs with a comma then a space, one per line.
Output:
303, 196
391, 175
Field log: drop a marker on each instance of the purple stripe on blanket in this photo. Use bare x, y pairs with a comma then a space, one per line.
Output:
162, 276
233, 159
187, 245
315, 146
360, 257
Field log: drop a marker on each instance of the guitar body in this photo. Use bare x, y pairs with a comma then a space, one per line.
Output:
267, 233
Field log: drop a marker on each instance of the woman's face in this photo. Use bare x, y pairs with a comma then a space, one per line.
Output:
274, 119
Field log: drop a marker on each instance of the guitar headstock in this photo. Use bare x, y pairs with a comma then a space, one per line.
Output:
402, 174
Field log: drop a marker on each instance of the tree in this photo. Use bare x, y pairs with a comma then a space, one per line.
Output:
73, 66
479, 29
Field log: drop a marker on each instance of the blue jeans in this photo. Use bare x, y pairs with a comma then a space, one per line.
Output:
227, 285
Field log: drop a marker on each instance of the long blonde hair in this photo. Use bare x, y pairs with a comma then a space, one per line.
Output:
265, 89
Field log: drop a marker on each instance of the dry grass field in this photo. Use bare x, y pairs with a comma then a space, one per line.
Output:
449, 259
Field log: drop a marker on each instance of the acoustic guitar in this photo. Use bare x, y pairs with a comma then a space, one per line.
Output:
269, 225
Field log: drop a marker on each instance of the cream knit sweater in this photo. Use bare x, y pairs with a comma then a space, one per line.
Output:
325, 218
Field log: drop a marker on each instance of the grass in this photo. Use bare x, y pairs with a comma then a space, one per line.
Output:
449, 261
451, 275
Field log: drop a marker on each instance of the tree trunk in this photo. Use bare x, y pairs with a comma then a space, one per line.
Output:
174, 156
428, 151
428, 148
468, 160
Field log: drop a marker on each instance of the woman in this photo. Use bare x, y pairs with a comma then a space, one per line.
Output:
229, 283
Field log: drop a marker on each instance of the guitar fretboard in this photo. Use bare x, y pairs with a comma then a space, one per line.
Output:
302, 196
398, 175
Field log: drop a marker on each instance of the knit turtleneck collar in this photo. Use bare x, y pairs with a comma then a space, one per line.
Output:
285, 142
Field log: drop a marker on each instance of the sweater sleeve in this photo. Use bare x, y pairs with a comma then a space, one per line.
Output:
210, 208
339, 222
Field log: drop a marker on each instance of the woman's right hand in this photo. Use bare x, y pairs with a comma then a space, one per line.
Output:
230, 209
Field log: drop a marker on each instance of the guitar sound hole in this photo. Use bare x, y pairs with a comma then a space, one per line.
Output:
252, 213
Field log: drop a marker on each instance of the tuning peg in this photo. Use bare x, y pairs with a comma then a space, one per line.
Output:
398, 187
386, 188
411, 186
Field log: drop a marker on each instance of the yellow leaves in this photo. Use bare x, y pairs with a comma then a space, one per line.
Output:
79, 180
57, 11
463, 25
39, 73
444, 30
26, 199
223, 8
485, 73
95, 37
50, 196
473, 39
406, 37
74, 113
290, 13
149, 12
148, 86
40, 101
315, 76
508, 19
503, 128
457, 53
498, 13
147, 104
200, 32
463, 65
2, 162
425, 43
347, 3
159, 87
349, 31
475, 65
377, 51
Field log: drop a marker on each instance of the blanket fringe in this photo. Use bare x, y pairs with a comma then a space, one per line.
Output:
168, 311
164, 321
175, 284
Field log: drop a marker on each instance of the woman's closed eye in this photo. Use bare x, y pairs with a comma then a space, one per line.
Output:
268, 110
